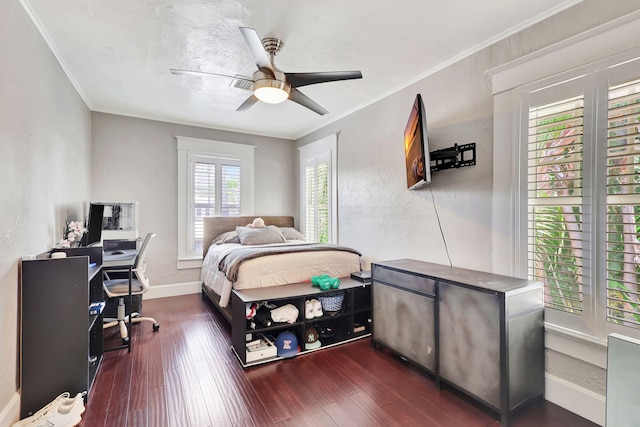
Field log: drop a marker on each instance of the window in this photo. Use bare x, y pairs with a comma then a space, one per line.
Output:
580, 142
582, 308
623, 204
316, 201
216, 192
554, 179
214, 179
318, 196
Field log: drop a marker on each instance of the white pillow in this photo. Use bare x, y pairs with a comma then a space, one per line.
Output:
291, 233
227, 237
260, 236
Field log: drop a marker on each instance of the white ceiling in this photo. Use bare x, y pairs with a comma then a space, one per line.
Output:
118, 53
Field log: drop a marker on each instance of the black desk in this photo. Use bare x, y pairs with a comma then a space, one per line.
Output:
121, 262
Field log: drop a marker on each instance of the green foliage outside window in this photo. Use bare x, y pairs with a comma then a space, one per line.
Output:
555, 178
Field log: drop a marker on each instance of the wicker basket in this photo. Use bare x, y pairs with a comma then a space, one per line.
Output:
331, 301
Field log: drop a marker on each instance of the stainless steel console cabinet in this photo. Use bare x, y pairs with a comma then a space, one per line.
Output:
481, 333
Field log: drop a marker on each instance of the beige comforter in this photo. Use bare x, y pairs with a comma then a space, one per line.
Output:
292, 266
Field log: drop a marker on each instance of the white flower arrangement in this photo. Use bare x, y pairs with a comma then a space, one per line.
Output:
73, 233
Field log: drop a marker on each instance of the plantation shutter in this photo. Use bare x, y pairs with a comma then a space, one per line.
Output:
323, 199
554, 184
623, 203
204, 198
216, 192
317, 196
310, 200
230, 190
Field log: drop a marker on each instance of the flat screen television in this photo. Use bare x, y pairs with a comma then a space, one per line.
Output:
94, 225
416, 147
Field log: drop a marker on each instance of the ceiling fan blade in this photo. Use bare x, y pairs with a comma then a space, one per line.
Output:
203, 74
248, 103
254, 44
304, 79
302, 99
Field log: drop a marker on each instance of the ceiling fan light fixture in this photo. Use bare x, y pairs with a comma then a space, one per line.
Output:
271, 85
271, 91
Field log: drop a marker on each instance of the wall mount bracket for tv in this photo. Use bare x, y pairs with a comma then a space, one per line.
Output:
457, 156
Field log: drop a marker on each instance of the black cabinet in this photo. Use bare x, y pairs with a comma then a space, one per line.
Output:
479, 332
352, 321
60, 342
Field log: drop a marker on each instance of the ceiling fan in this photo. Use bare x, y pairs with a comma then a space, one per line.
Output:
272, 85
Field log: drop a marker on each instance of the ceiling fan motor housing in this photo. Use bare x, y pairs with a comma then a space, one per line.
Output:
265, 82
272, 45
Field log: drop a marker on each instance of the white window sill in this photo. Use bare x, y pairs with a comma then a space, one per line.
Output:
575, 344
187, 263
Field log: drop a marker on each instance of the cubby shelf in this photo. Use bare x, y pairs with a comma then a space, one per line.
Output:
61, 343
356, 310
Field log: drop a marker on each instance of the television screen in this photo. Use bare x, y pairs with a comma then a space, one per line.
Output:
416, 148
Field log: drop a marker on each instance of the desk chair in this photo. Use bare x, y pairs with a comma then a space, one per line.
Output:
119, 288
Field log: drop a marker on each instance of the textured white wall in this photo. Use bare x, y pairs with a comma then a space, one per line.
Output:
377, 214
44, 177
137, 160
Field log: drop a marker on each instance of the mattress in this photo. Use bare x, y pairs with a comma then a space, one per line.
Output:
275, 270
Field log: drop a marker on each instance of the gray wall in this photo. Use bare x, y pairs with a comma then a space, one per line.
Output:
137, 160
385, 221
44, 179
372, 192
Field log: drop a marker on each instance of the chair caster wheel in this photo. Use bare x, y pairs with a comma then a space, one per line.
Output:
156, 327
125, 341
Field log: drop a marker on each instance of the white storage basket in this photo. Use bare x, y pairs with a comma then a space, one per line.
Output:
331, 301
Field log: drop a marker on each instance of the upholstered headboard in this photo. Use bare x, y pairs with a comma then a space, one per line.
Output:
216, 225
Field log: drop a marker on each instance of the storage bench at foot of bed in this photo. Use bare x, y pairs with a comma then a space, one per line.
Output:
353, 320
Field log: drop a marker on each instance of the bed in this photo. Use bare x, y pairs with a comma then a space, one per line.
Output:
230, 265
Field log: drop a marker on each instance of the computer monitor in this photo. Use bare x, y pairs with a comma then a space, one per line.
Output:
94, 225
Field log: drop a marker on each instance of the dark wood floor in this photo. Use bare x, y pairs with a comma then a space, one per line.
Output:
186, 375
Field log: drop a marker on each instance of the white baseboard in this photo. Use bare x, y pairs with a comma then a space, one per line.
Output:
163, 291
11, 412
576, 399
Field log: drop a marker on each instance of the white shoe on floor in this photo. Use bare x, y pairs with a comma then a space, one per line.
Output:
60, 416
61, 412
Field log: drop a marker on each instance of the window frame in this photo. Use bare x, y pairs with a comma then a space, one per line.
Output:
549, 93
219, 163
615, 75
511, 122
574, 88
325, 147
613, 41
190, 149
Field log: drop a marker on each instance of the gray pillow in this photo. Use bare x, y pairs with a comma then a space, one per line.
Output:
227, 237
291, 233
260, 236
